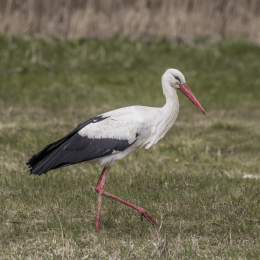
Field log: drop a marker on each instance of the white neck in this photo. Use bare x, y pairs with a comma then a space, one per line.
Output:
171, 107
166, 115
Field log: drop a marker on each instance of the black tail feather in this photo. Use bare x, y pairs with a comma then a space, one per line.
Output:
53, 155
40, 162
44, 161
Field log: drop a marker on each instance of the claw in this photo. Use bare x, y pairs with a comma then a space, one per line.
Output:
144, 213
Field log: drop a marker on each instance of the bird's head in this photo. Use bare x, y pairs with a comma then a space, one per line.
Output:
176, 79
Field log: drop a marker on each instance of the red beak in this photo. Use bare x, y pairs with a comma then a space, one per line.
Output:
187, 92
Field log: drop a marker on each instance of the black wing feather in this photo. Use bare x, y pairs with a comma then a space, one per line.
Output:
73, 149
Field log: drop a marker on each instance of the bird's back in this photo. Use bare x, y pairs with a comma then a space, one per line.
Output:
96, 138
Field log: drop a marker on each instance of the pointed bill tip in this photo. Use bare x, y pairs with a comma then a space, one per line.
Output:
201, 109
188, 93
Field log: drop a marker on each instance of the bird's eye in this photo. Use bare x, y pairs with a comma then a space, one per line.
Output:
177, 78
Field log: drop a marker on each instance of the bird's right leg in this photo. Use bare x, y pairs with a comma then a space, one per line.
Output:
100, 189
143, 212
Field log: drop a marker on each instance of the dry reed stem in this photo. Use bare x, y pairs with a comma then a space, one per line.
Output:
176, 19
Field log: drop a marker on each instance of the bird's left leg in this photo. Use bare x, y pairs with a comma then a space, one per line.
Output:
100, 189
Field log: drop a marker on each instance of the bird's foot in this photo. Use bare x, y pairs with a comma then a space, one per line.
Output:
144, 213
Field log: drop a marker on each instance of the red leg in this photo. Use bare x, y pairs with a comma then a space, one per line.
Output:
143, 212
100, 190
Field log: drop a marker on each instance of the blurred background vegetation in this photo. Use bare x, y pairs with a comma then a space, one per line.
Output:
177, 19
63, 62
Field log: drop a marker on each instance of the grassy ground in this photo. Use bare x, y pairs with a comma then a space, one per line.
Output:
191, 182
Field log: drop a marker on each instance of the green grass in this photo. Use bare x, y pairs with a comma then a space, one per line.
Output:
191, 182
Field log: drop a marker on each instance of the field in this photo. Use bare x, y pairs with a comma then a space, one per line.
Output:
193, 182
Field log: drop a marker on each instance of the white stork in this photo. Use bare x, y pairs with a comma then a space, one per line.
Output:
111, 136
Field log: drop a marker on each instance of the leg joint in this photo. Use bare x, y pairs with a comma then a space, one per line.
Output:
99, 189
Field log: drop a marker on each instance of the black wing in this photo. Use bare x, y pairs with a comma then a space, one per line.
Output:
73, 148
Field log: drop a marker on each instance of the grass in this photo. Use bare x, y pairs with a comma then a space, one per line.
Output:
191, 182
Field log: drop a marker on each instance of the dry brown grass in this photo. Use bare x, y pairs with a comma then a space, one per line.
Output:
177, 19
